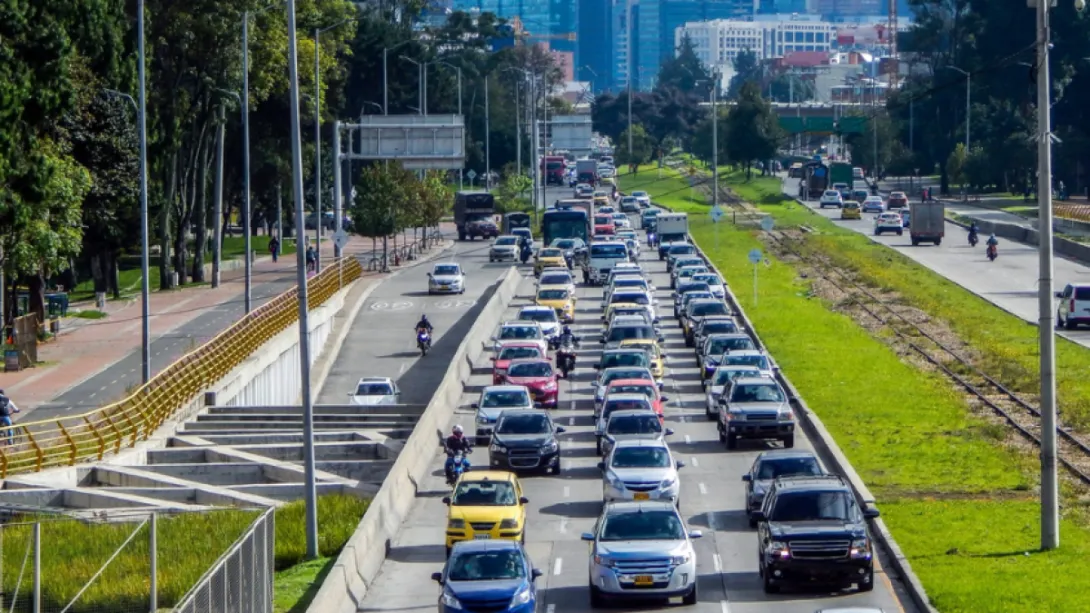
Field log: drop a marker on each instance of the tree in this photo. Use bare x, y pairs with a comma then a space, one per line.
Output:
643, 146
702, 138
862, 145
684, 71
955, 164
753, 127
787, 87
383, 192
512, 192
746, 70
435, 198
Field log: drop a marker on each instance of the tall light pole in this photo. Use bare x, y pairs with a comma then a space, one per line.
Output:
310, 489
1050, 495
968, 84
487, 140
420, 81
629, 58
386, 75
142, 121
459, 69
318, 143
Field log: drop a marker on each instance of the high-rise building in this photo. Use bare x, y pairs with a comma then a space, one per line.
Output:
554, 22
849, 10
594, 45
676, 13
718, 42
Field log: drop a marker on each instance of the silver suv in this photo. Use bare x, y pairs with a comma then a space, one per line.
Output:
641, 470
632, 425
641, 550
756, 408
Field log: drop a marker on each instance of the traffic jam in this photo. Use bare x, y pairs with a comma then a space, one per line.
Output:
625, 352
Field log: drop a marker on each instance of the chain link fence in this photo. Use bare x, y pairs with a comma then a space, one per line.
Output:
137, 562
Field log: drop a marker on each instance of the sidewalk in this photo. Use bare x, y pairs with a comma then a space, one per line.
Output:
95, 346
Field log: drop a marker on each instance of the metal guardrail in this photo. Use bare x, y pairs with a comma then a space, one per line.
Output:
70, 440
405, 252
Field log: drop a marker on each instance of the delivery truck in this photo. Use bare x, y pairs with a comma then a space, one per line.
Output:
926, 222
586, 171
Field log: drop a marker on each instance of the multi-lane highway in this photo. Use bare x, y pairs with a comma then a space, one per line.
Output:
1009, 282
562, 507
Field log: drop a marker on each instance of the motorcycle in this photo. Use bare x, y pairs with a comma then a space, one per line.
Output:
525, 255
973, 239
993, 252
565, 359
423, 341
457, 464
650, 239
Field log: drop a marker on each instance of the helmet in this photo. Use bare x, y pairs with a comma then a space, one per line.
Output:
457, 430
567, 330
423, 318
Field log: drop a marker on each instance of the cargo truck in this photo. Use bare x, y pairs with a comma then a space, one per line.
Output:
841, 172
553, 169
473, 211
671, 227
515, 220
586, 171
926, 222
815, 181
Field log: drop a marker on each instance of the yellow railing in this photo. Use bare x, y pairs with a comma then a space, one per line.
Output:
69, 440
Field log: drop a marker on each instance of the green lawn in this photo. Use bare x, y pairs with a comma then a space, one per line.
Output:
958, 500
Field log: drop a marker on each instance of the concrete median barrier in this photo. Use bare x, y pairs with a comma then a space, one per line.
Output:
356, 567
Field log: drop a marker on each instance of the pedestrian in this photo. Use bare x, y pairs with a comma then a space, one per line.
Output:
7, 409
312, 258
274, 248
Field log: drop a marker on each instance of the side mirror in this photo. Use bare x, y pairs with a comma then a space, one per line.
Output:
758, 516
446, 499
536, 574
661, 385
587, 536
437, 577
695, 534
666, 399
429, 274
475, 405
601, 465
601, 341
870, 513
1059, 294
680, 464
492, 359
669, 431
656, 320
524, 500
561, 430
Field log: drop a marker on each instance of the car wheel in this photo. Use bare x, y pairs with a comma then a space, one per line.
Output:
722, 434
709, 415
900, 232
867, 584
752, 522
1059, 321
1070, 325
770, 587
788, 441
732, 441
597, 601
598, 446
556, 470
690, 598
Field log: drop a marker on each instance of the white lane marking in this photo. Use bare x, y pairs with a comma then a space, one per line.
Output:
102, 389
571, 421
703, 489
718, 563
695, 463
93, 395
401, 369
688, 439
563, 525
558, 566
722, 605
114, 382
550, 609
567, 491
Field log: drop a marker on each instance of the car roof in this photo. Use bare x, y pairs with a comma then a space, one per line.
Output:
528, 412
825, 483
479, 545
631, 506
745, 352
552, 287
503, 388
537, 307
631, 413
775, 454
628, 396
519, 323
489, 475
756, 381
621, 351
437, 264
530, 361
719, 335
376, 380
519, 343
619, 382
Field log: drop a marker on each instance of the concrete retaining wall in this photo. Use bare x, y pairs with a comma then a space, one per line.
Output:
1021, 234
362, 558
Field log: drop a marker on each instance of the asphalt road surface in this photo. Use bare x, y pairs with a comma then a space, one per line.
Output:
562, 507
112, 382
382, 339
1010, 282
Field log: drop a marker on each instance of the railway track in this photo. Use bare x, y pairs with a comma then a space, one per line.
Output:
1018, 413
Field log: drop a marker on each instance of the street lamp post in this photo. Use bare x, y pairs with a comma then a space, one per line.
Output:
459, 69
385, 75
420, 81
487, 140
318, 144
968, 89
629, 58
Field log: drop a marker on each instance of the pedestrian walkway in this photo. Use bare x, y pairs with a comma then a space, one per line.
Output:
98, 347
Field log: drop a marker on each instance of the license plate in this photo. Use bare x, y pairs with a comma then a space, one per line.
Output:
444, 287
641, 496
482, 537
644, 580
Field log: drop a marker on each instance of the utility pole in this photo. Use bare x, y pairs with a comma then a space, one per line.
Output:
518, 127
628, 37
337, 212
217, 207
487, 140
715, 143
142, 120
911, 123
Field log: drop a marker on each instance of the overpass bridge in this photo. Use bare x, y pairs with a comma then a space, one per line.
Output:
819, 118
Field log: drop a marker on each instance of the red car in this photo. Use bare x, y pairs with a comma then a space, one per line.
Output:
538, 376
514, 350
646, 387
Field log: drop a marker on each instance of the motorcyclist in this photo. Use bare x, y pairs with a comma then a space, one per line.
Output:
424, 324
992, 241
526, 251
457, 441
973, 230
567, 337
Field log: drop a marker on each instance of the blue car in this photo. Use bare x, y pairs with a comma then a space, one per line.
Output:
488, 575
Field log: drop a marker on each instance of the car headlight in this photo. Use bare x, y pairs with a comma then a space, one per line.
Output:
758, 489
682, 559
456, 524
861, 548
733, 415
604, 561
778, 549
481, 419
785, 414
522, 596
614, 480
450, 601
549, 387
494, 448
550, 447
509, 524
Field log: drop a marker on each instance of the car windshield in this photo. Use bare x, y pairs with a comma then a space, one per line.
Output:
614, 375
681, 250
635, 424
484, 494
688, 288
756, 392
628, 358
622, 333
564, 243
641, 457
629, 298
518, 353
704, 309
531, 369
545, 315
552, 294
812, 506
711, 280
504, 399
684, 262
643, 526
726, 374
523, 424
507, 240
759, 361
555, 279
639, 194
632, 281
646, 390
520, 332
601, 220
486, 566
719, 346
772, 468
374, 389
626, 404
718, 327
550, 253
608, 251
689, 271
631, 312
445, 270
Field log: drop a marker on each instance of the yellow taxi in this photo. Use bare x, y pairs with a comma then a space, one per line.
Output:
560, 298
601, 201
486, 504
625, 308
658, 364
549, 257
851, 210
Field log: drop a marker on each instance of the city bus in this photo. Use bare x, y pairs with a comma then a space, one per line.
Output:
564, 222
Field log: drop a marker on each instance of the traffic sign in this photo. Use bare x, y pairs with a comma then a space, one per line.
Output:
340, 238
472, 174
717, 213
755, 256
766, 224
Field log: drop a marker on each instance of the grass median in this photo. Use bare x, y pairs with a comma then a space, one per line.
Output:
188, 545
959, 500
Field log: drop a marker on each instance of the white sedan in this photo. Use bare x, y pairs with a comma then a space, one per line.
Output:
643, 198
831, 197
888, 222
446, 278
371, 391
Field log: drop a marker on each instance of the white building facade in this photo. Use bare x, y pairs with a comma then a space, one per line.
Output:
718, 42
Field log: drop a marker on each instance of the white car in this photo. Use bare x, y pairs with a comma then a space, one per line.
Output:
446, 278
607, 375
641, 468
526, 331
544, 316
715, 284
749, 357
643, 198
372, 391
831, 197
496, 399
633, 296
1074, 308
888, 222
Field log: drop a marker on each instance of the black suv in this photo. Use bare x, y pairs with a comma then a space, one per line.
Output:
525, 440
812, 531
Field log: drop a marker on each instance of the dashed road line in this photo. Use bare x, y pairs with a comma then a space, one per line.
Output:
558, 566
703, 489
